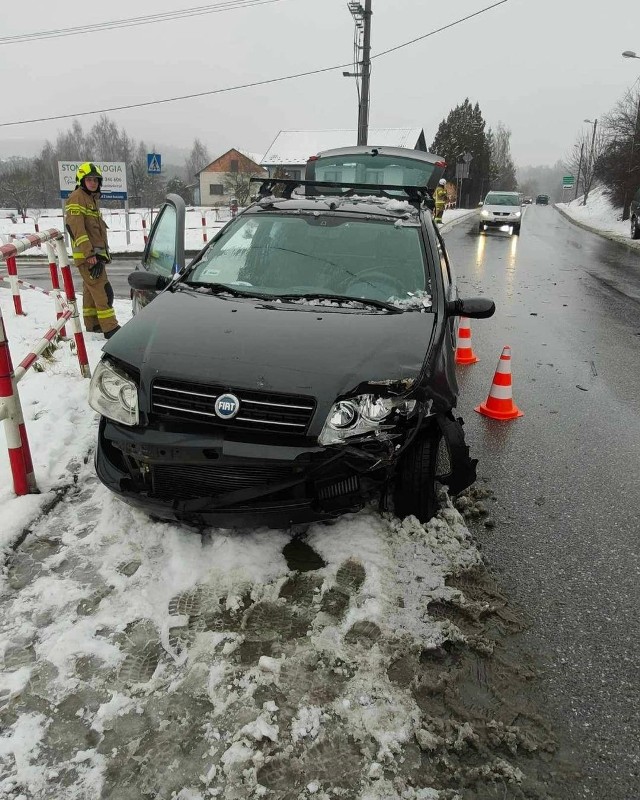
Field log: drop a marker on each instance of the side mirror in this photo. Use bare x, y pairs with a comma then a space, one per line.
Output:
472, 307
147, 281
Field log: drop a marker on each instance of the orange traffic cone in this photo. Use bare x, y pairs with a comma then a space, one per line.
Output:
464, 351
499, 404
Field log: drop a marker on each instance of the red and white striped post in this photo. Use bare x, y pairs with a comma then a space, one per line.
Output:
11, 412
55, 282
12, 269
144, 230
67, 280
204, 228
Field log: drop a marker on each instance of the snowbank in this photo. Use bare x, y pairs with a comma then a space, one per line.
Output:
599, 213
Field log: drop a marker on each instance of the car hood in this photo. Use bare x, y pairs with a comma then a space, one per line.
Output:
253, 344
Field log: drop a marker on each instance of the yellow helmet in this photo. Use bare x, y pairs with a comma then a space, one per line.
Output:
88, 170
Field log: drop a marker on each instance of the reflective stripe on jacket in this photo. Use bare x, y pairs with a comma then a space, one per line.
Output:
440, 196
85, 224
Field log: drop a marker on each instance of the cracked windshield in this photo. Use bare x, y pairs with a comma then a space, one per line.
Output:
302, 255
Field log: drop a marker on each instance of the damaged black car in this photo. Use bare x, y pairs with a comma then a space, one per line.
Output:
299, 367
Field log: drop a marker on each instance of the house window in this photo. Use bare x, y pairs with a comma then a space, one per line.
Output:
233, 165
295, 174
375, 176
333, 176
216, 188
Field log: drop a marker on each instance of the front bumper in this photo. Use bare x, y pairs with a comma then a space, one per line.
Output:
207, 479
493, 222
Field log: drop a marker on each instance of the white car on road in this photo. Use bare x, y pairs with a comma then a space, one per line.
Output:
499, 210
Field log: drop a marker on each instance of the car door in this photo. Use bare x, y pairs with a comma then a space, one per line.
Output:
164, 252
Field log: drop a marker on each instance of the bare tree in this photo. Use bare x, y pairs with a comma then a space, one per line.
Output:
237, 184
503, 171
584, 168
198, 158
619, 165
19, 185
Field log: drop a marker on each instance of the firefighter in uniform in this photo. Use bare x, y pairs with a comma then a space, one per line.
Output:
441, 199
88, 233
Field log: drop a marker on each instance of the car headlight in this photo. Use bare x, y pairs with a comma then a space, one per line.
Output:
113, 394
361, 415
485, 213
518, 213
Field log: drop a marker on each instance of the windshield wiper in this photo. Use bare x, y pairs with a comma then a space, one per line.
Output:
219, 288
341, 298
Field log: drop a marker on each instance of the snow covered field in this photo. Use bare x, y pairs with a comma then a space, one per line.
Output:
143, 659
215, 219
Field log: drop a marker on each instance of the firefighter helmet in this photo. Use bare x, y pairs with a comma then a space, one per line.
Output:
88, 170
442, 182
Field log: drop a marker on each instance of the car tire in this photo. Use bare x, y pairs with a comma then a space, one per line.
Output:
480, 228
635, 230
516, 230
415, 481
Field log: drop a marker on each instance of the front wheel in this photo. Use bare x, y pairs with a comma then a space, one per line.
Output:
481, 228
415, 481
516, 230
635, 230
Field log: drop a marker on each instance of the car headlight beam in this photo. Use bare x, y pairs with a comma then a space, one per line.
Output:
114, 394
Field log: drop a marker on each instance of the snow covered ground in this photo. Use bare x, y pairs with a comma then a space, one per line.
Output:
599, 213
143, 659
215, 219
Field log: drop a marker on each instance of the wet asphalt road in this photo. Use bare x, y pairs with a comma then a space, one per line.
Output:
567, 474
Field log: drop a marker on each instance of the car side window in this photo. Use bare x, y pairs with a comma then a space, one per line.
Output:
161, 253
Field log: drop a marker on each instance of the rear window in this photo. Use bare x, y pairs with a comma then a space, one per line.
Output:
502, 199
375, 170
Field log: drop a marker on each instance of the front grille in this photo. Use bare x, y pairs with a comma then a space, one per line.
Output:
186, 481
259, 411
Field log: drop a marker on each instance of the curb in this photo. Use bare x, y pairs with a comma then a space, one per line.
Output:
452, 223
612, 237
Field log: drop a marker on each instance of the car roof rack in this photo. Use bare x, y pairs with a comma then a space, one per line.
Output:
416, 195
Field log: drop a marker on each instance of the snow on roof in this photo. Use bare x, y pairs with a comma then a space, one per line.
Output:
256, 157
295, 147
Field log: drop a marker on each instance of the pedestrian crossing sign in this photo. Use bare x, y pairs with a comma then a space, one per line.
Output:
154, 163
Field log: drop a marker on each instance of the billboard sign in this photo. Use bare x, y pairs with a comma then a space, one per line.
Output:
114, 178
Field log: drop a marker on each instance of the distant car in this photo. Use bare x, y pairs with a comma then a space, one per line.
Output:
634, 216
500, 210
542, 200
527, 201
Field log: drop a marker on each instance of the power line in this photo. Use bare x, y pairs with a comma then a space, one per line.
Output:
244, 85
438, 30
167, 16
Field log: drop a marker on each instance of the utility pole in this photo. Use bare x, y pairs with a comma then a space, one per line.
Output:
591, 167
362, 17
579, 168
628, 191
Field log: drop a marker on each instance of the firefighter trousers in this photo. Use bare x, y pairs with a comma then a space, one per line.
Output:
97, 301
439, 213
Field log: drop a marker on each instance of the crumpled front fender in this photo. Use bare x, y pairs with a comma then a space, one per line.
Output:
463, 467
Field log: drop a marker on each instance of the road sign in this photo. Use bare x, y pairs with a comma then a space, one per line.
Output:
154, 163
568, 180
114, 178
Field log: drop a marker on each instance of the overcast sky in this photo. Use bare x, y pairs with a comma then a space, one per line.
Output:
539, 66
